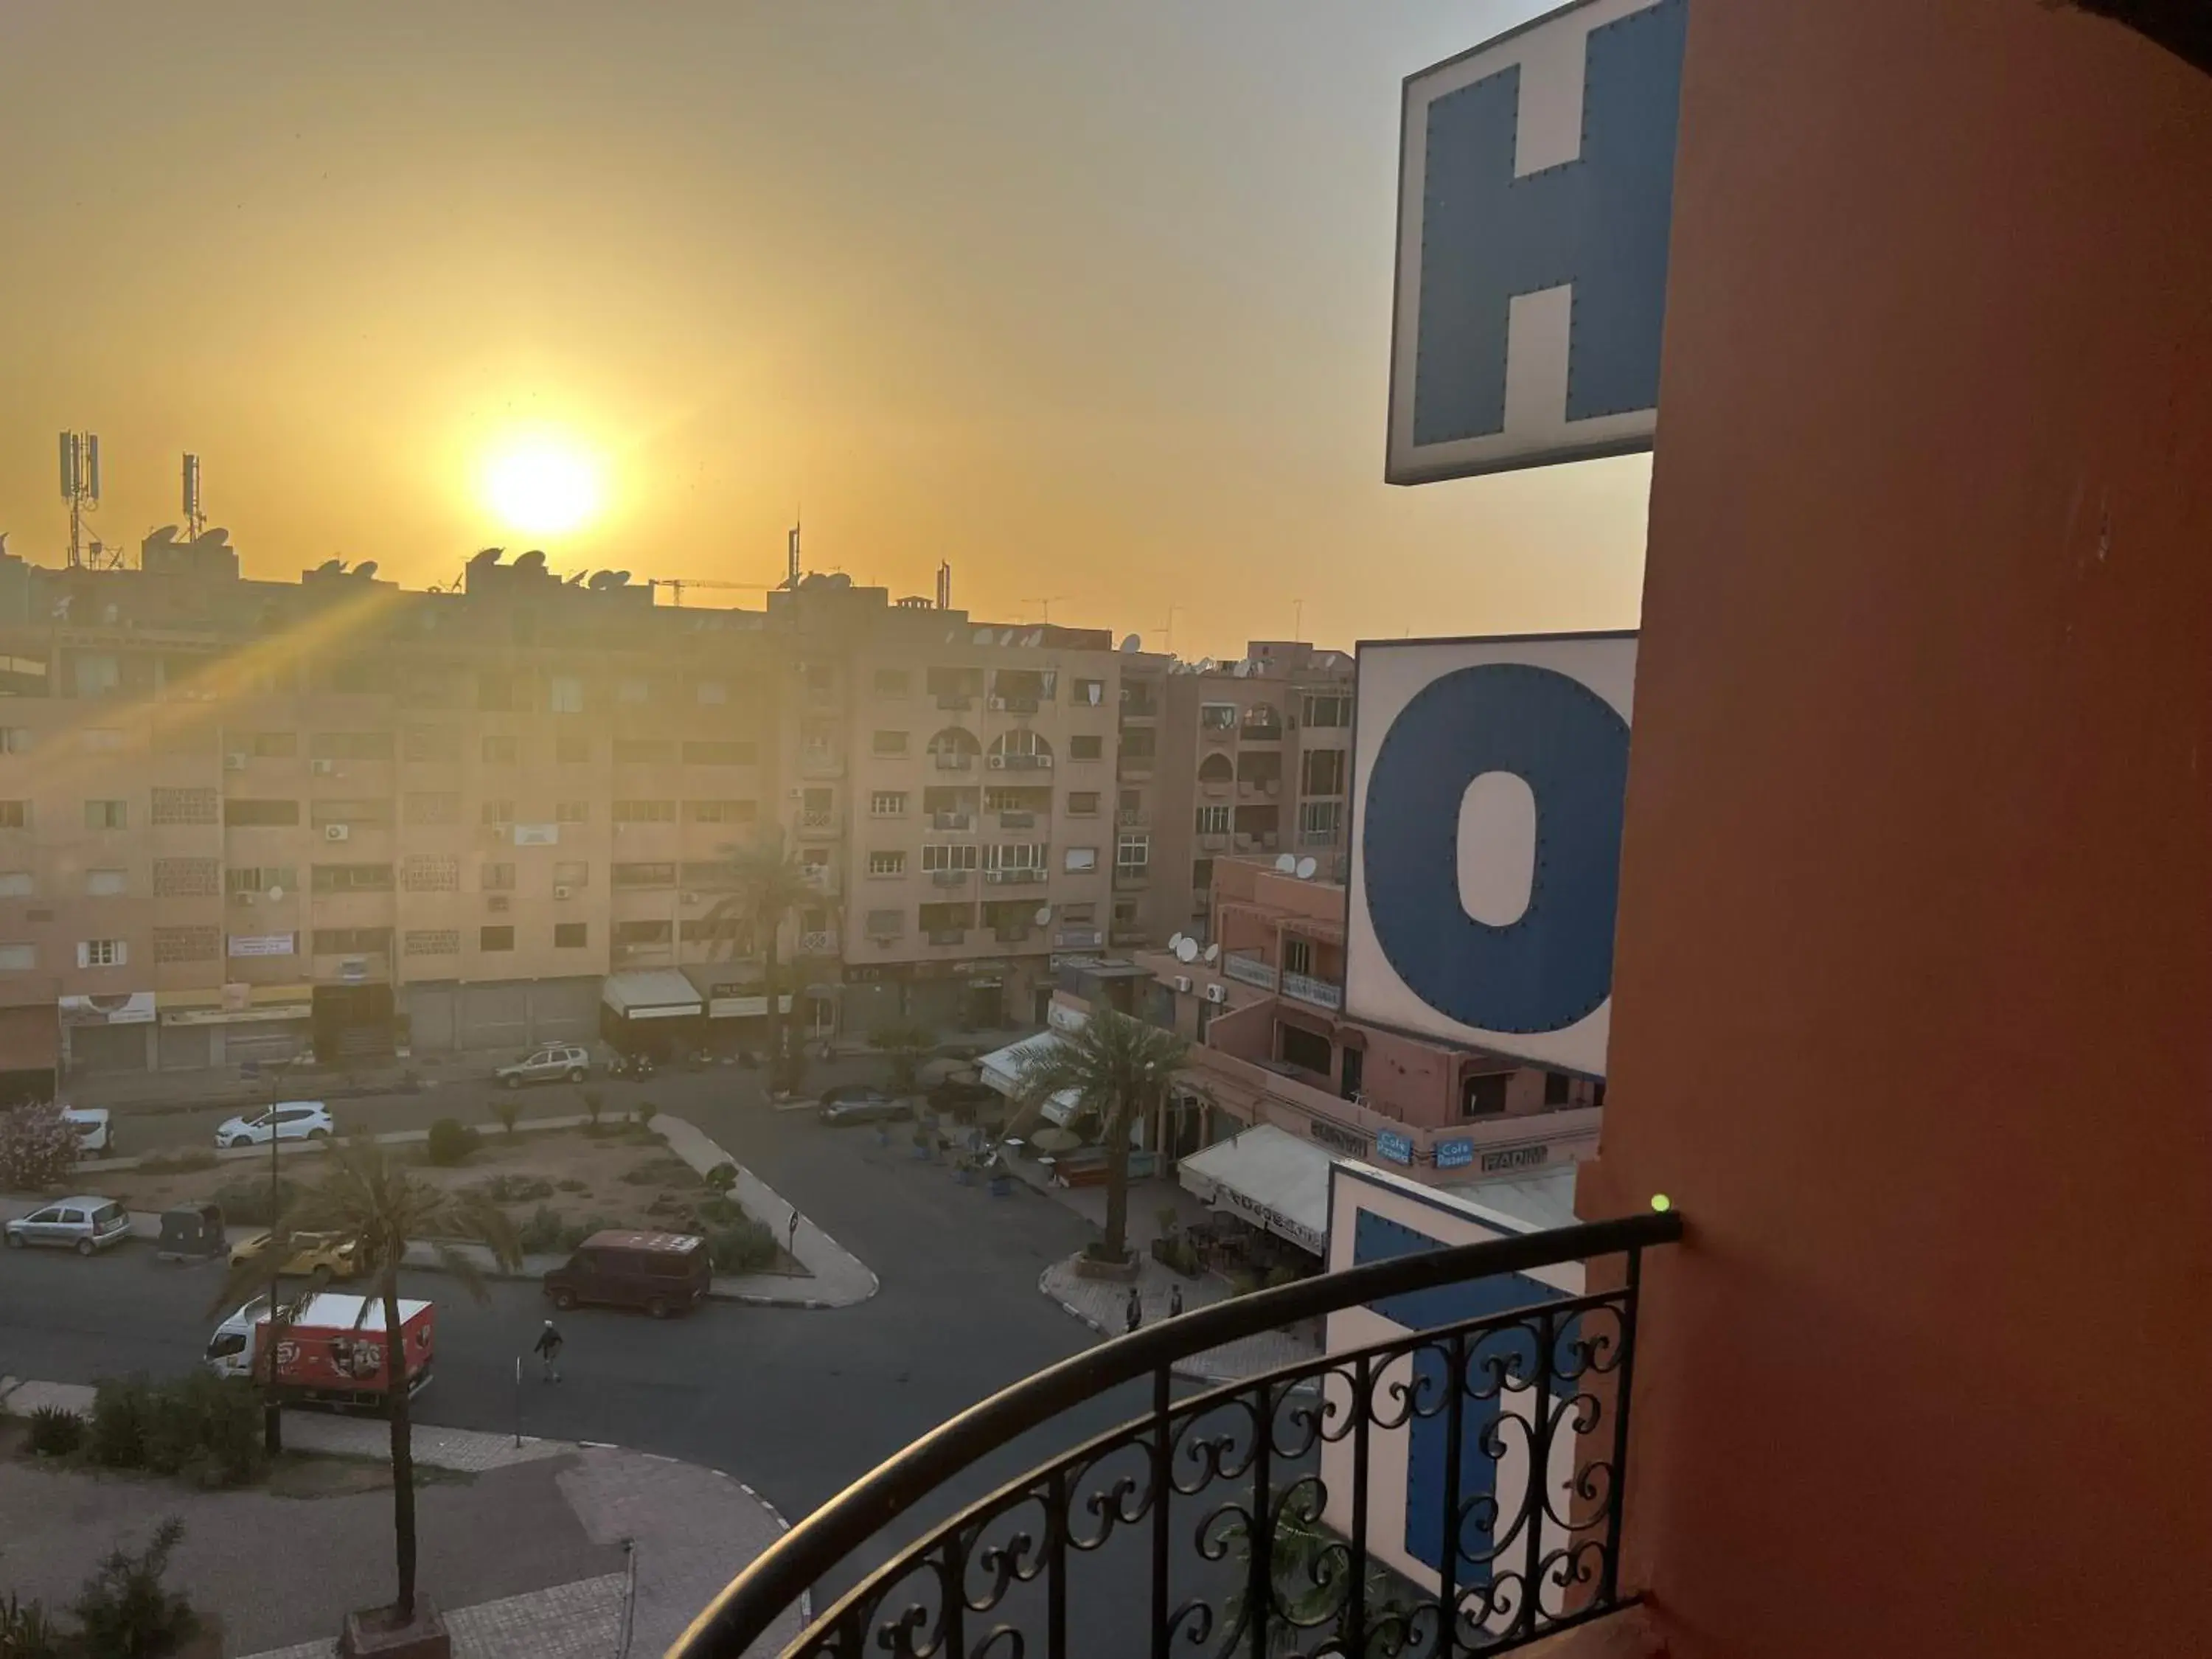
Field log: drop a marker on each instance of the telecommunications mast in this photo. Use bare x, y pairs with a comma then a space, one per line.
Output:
195, 517
80, 452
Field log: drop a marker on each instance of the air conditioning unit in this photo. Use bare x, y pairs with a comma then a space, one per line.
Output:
690, 898
243, 898
997, 763
498, 903
564, 892
1217, 993
1043, 763
323, 768
337, 831
1182, 982
234, 762
797, 794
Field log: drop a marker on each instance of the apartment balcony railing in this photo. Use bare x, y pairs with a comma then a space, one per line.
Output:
817, 944
950, 877
1249, 970
1010, 935
955, 700
1012, 877
1260, 733
1213, 841
1133, 766
952, 760
1021, 761
1024, 820
1133, 817
953, 820
1321, 993
1238, 1518
1015, 705
1133, 709
817, 826
946, 935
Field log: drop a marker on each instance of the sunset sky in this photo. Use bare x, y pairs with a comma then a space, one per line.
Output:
1090, 299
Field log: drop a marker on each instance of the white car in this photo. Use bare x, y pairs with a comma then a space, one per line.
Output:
288, 1119
95, 1135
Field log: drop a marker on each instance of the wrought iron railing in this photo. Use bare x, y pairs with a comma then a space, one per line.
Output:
1374, 1499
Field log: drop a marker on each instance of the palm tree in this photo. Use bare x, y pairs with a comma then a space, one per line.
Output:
768, 885
906, 1043
1112, 1066
364, 1195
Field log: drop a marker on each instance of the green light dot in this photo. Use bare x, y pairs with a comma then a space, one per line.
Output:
1660, 1202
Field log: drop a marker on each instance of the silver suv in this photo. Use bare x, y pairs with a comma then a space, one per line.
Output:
560, 1063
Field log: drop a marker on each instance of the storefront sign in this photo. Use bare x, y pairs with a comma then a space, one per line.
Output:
1455, 1154
1344, 1140
1515, 1158
1398, 1148
263, 944
1078, 939
126, 1008
752, 1007
537, 835
1268, 1217
274, 1010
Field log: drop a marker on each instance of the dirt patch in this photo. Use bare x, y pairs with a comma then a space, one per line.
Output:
297, 1475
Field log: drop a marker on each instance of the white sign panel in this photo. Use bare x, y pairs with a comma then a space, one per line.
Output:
537, 835
262, 944
1535, 200
120, 1008
1488, 779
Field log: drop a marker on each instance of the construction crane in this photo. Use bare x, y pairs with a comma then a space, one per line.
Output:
676, 584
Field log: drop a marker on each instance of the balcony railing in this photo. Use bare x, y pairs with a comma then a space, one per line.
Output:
955, 700
1015, 705
817, 944
953, 820
1323, 993
952, 760
946, 935
1020, 820
813, 826
1133, 817
1249, 970
950, 877
1012, 877
1135, 709
1260, 733
1010, 935
1319, 1450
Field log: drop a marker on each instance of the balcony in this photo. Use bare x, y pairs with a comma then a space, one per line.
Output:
818, 762
952, 760
818, 826
954, 701
1022, 820
1133, 875
1019, 761
1010, 934
1260, 733
1133, 817
946, 935
953, 820
1249, 970
1012, 877
817, 944
1133, 766
1310, 1443
1321, 993
1140, 708
1213, 841
1015, 705
949, 878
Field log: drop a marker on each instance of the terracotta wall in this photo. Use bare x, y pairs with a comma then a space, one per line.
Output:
1914, 980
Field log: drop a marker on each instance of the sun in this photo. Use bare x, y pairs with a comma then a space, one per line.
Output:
542, 485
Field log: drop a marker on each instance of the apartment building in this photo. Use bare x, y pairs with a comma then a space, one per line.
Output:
1223, 759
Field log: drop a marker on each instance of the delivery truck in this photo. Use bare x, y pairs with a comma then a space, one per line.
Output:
329, 1348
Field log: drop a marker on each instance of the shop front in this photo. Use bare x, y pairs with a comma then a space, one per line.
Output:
30, 1053
233, 1024
102, 1036
652, 1010
1268, 1191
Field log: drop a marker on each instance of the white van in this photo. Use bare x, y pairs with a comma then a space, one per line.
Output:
95, 1135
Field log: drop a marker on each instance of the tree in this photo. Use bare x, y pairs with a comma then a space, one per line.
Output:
1112, 1065
906, 1043
38, 1147
366, 1194
769, 887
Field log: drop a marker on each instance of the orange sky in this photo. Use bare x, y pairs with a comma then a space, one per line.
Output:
1092, 300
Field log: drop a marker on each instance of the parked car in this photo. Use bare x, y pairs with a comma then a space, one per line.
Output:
95, 1135
862, 1103
288, 1119
558, 1063
314, 1255
84, 1224
663, 1273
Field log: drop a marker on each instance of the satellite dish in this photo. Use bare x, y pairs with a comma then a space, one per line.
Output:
1285, 863
1306, 868
1133, 642
1175, 941
275, 893
1044, 914
1213, 953
1186, 951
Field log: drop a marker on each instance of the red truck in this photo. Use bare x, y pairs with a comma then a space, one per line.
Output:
331, 1350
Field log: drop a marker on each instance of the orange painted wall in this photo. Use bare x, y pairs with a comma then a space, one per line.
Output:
1913, 996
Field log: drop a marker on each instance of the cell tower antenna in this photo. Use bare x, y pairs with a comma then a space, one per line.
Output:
791, 553
945, 585
80, 457
195, 517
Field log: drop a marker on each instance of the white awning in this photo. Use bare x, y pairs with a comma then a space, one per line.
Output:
1269, 1177
650, 994
1001, 1069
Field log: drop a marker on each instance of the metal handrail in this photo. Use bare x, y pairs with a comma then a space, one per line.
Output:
787, 1571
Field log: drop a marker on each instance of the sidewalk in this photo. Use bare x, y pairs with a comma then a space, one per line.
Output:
837, 1278
530, 1555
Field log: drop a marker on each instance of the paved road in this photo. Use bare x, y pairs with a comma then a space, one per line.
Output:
799, 1403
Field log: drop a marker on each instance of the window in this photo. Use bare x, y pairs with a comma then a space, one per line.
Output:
105, 884
887, 804
1125, 913
239, 812
1559, 1089
1214, 820
431, 743
721, 812
633, 688
886, 924
571, 935
102, 953
351, 746
715, 752
644, 751
107, 815
334, 811
16, 958
1086, 748
949, 858
1073, 915
495, 878
644, 811
433, 806
1317, 821
432, 942
428, 873
714, 692
351, 877
572, 872
733, 931
495, 939
1307, 1050
1484, 1095
352, 941
261, 878
98, 675
1217, 717
886, 863
643, 932
1327, 709
14, 815
572, 749
14, 739
184, 806
502, 750
496, 812
17, 883
564, 694
1297, 956
102, 739
273, 745
1088, 693
892, 681
1201, 874
1133, 851
1323, 770
814, 858
643, 875
571, 811
888, 743
1081, 858
1216, 769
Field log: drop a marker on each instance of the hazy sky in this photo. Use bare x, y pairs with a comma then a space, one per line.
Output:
1092, 298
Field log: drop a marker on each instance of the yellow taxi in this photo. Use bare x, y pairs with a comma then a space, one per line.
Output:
314, 1255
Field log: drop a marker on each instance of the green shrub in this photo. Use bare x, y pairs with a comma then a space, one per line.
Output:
741, 1247
571, 1185
118, 1430
508, 1110
126, 1610
722, 1177
543, 1234
450, 1142
244, 1202
647, 1111
185, 1162
514, 1188
205, 1428
26, 1632
718, 1209
55, 1431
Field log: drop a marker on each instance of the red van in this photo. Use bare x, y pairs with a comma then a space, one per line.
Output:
663, 1274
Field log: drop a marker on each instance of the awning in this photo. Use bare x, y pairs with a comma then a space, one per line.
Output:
1001, 1069
1269, 1177
650, 994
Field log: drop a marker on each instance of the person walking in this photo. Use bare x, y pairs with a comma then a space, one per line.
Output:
1134, 1316
1175, 1300
548, 1350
